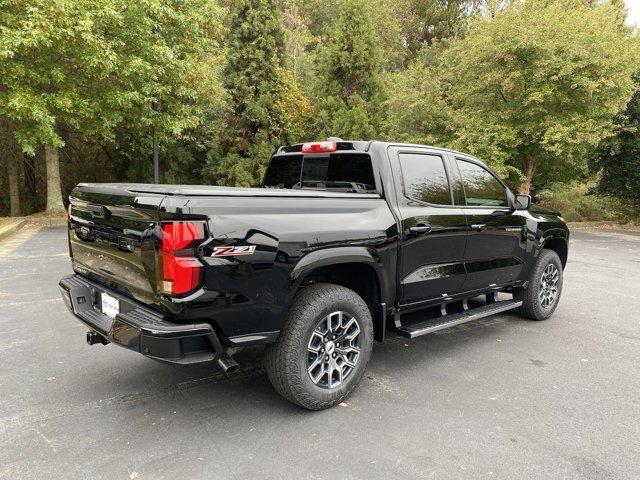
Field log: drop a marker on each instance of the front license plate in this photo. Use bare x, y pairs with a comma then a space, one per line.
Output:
110, 305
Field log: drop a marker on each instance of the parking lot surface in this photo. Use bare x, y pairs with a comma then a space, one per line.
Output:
501, 397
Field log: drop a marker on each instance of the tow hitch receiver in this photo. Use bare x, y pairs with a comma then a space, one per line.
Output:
93, 338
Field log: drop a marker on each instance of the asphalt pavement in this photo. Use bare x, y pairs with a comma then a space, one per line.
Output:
501, 397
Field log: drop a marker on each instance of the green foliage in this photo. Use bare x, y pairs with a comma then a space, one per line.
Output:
427, 21
260, 94
538, 84
403, 27
531, 86
532, 89
92, 65
618, 157
350, 89
576, 203
417, 110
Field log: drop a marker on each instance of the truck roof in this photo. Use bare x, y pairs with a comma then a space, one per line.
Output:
365, 146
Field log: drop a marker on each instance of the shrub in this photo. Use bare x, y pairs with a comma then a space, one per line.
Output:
575, 203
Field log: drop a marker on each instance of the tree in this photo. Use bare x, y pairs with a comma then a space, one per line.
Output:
618, 157
90, 66
426, 21
10, 154
260, 92
350, 90
535, 88
491, 8
417, 109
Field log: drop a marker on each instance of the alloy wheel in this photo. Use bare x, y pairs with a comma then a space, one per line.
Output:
333, 349
549, 286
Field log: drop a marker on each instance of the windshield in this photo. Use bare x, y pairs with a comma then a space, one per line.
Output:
338, 172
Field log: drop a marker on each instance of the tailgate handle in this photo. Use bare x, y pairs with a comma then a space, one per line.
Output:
98, 211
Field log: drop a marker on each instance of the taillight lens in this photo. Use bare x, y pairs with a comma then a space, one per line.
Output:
179, 271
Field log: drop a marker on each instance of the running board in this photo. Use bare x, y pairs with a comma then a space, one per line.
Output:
447, 321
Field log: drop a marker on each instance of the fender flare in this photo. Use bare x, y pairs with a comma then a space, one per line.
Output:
340, 255
551, 235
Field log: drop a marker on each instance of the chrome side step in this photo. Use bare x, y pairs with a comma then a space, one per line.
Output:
447, 321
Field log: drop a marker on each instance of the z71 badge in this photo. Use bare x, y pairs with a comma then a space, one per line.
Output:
233, 251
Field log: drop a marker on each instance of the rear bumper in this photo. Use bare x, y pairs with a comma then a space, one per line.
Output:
138, 327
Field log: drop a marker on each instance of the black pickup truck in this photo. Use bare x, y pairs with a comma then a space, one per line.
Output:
340, 243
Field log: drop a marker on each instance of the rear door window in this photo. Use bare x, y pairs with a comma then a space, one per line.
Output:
424, 178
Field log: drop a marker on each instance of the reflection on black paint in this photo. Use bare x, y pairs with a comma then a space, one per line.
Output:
481, 265
434, 271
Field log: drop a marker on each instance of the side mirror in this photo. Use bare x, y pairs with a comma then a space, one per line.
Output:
522, 202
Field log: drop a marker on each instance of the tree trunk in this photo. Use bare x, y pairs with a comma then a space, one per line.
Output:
31, 204
14, 186
529, 169
10, 150
54, 191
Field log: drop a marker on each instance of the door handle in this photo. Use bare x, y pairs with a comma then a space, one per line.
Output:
479, 226
420, 229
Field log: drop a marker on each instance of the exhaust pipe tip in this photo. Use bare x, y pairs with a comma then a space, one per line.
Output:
228, 364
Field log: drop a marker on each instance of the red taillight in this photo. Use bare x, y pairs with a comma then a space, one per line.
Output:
319, 147
179, 271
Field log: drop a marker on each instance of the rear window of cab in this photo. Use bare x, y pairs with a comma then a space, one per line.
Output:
336, 172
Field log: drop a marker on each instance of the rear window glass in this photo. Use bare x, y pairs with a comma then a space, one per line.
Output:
336, 172
283, 172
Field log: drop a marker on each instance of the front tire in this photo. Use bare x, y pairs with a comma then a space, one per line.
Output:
541, 297
323, 348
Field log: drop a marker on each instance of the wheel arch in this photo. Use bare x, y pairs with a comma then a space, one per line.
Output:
559, 245
357, 268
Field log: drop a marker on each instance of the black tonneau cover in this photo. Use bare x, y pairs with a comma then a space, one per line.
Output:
212, 191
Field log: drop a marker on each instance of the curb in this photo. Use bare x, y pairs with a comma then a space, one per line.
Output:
11, 228
48, 222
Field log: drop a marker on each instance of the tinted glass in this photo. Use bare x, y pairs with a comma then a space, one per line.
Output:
425, 178
481, 187
336, 172
283, 172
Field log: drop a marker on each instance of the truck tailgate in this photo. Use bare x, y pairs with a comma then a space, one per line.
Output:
111, 237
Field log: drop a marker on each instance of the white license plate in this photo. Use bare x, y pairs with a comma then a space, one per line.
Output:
110, 305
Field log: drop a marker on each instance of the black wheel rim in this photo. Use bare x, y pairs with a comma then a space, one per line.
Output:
333, 349
549, 286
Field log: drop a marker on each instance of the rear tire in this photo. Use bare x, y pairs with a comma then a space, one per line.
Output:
541, 297
324, 347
